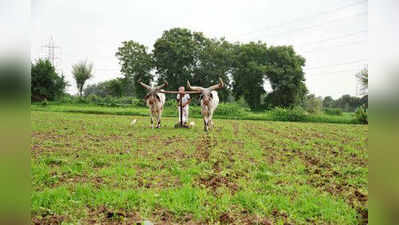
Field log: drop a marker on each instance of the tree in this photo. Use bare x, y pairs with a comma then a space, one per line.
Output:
112, 87
213, 61
136, 64
364, 101
254, 63
115, 87
348, 103
45, 82
182, 55
174, 56
284, 71
363, 77
328, 102
249, 67
82, 71
313, 104
99, 89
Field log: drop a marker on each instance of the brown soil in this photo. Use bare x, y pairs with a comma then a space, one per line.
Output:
48, 219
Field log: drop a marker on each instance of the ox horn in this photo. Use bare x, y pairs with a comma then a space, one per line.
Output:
145, 86
194, 88
165, 84
217, 86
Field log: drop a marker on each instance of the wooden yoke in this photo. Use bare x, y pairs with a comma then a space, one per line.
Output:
177, 92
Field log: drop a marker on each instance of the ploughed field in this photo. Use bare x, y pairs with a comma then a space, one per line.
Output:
97, 169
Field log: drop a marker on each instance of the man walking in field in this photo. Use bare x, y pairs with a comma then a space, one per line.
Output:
184, 110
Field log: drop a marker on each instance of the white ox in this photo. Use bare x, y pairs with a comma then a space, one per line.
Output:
155, 102
209, 101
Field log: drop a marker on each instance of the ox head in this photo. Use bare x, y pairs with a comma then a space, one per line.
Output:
151, 96
206, 94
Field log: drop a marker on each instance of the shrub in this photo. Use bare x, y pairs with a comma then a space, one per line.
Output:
313, 104
81, 100
66, 99
124, 100
103, 101
44, 102
135, 102
141, 102
361, 115
284, 114
241, 101
108, 99
92, 98
333, 111
171, 102
230, 109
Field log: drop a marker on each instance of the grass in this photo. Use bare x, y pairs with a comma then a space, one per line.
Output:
89, 169
224, 111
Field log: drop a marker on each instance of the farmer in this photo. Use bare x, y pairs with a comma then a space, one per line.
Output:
185, 103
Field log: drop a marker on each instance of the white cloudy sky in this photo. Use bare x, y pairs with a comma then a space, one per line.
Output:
332, 35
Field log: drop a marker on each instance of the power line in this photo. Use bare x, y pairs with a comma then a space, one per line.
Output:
334, 72
340, 64
302, 18
335, 38
314, 26
107, 69
335, 46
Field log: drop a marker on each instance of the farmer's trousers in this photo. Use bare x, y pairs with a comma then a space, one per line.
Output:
185, 114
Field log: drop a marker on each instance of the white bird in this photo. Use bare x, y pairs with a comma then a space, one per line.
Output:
192, 123
133, 122
146, 222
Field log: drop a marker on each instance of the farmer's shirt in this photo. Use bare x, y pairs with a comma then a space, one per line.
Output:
185, 99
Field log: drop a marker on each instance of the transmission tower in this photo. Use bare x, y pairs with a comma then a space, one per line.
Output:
50, 48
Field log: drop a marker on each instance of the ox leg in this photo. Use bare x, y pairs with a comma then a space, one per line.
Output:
152, 122
159, 121
211, 121
205, 124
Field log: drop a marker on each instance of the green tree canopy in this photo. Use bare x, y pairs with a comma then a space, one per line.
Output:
175, 55
112, 87
328, 102
348, 103
45, 82
284, 71
313, 104
255, 62
249, 67
180, 55
363, 77
137, 65
82, 71
213, 61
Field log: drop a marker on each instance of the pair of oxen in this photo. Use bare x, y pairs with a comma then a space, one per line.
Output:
155, 100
